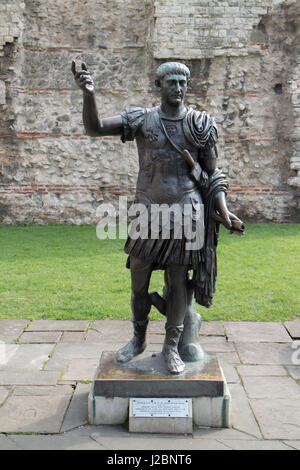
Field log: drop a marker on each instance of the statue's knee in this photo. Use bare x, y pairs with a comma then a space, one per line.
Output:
177, 278
139, 295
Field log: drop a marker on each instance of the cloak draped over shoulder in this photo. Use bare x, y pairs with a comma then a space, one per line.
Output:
200, 129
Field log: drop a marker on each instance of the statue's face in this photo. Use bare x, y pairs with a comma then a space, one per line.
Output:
173, 89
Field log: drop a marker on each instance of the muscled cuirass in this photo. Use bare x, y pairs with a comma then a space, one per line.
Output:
164, 176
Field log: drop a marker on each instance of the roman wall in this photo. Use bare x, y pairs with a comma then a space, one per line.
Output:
245, 71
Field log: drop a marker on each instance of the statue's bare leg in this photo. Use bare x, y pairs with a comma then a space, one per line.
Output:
140, 305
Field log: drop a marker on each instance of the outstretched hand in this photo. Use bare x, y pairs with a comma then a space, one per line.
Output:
225, 217
231, 222
83, 78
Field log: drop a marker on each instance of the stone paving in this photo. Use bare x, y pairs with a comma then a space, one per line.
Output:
46, 368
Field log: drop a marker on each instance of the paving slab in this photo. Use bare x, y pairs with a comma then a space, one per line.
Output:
28, 357
243, 418
293, 444
296, 352
67, 441
4, 392
230, 372
293, 328
263, 371
121, 430
29, 378
271, 387
42, 390
221, 434
65, 352
118, 430
156, 327
155, 339
212, 328
257, 332
94, 336
40, 337
11, 329
157, 443
294, 371
8, 444
113, 329
81, 369
77, 414
41, 414
7, 351
214, 344
67, 382
265, 353
228, 357
255, 445
73, 336
278, 418
58, 325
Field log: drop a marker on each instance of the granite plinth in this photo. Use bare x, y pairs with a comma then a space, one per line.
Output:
147, 376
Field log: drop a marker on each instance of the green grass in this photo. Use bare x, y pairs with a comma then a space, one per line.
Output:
65, 272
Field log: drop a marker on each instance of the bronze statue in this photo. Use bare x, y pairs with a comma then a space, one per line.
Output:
177, 166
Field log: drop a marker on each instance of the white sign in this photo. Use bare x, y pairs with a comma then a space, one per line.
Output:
161, 407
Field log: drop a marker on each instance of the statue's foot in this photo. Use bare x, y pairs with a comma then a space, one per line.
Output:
173, 362
170, 349
132, 349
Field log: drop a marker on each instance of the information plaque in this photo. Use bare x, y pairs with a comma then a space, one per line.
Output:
161, 407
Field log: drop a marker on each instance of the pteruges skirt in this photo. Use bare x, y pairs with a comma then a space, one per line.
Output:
167, 234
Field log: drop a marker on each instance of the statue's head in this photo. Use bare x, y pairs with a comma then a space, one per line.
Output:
172, 80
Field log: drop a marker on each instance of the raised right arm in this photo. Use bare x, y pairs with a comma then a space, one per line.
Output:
93, 126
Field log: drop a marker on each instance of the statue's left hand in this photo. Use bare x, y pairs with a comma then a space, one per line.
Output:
236, 225
227, 218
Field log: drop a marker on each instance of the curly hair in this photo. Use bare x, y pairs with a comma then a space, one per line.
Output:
171, 68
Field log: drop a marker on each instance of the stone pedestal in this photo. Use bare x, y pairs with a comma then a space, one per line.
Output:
115, 386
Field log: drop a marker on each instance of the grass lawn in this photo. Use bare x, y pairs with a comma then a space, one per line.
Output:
65, 272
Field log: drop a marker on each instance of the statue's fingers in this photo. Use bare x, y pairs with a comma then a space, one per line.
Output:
234, 217
84, 78
226, 219
82, 73
73, 67
81, 76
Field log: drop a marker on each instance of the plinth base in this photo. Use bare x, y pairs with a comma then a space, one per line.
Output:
115, 386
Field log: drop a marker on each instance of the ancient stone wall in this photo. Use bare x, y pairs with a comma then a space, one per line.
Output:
245, 72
